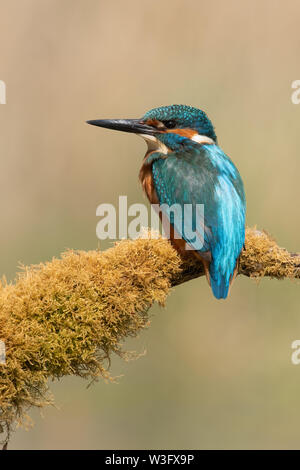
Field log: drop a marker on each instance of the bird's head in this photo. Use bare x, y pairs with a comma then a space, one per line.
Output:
166, 128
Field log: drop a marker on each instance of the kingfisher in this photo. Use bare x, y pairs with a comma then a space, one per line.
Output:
184, 166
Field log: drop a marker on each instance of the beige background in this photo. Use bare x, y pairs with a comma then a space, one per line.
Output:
216, 374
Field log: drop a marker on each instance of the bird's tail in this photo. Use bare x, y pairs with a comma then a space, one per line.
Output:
221, 283
219, 287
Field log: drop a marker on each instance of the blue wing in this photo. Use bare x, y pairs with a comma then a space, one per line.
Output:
204, 175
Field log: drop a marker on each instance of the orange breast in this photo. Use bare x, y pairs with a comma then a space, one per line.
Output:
146, 180
179, 244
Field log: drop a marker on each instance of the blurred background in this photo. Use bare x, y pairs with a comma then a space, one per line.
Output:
216, 374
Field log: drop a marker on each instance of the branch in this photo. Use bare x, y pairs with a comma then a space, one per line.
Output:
70, 315
261, 257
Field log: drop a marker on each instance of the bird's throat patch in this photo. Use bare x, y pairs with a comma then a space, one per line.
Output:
155, 145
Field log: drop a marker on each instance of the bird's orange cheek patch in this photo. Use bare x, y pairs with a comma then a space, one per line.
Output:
189, 133
154, 123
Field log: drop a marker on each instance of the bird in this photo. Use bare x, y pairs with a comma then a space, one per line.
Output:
184, 165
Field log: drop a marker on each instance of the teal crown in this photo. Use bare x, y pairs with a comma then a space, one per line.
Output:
185, 117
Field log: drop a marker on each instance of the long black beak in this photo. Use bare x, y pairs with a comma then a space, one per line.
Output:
126, 125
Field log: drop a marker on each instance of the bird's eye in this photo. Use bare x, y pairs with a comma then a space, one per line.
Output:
170, 124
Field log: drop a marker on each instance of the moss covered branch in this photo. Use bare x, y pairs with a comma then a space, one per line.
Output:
70, 315
261, 257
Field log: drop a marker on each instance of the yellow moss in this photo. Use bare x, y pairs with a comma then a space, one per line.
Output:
263, 257
67, 316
